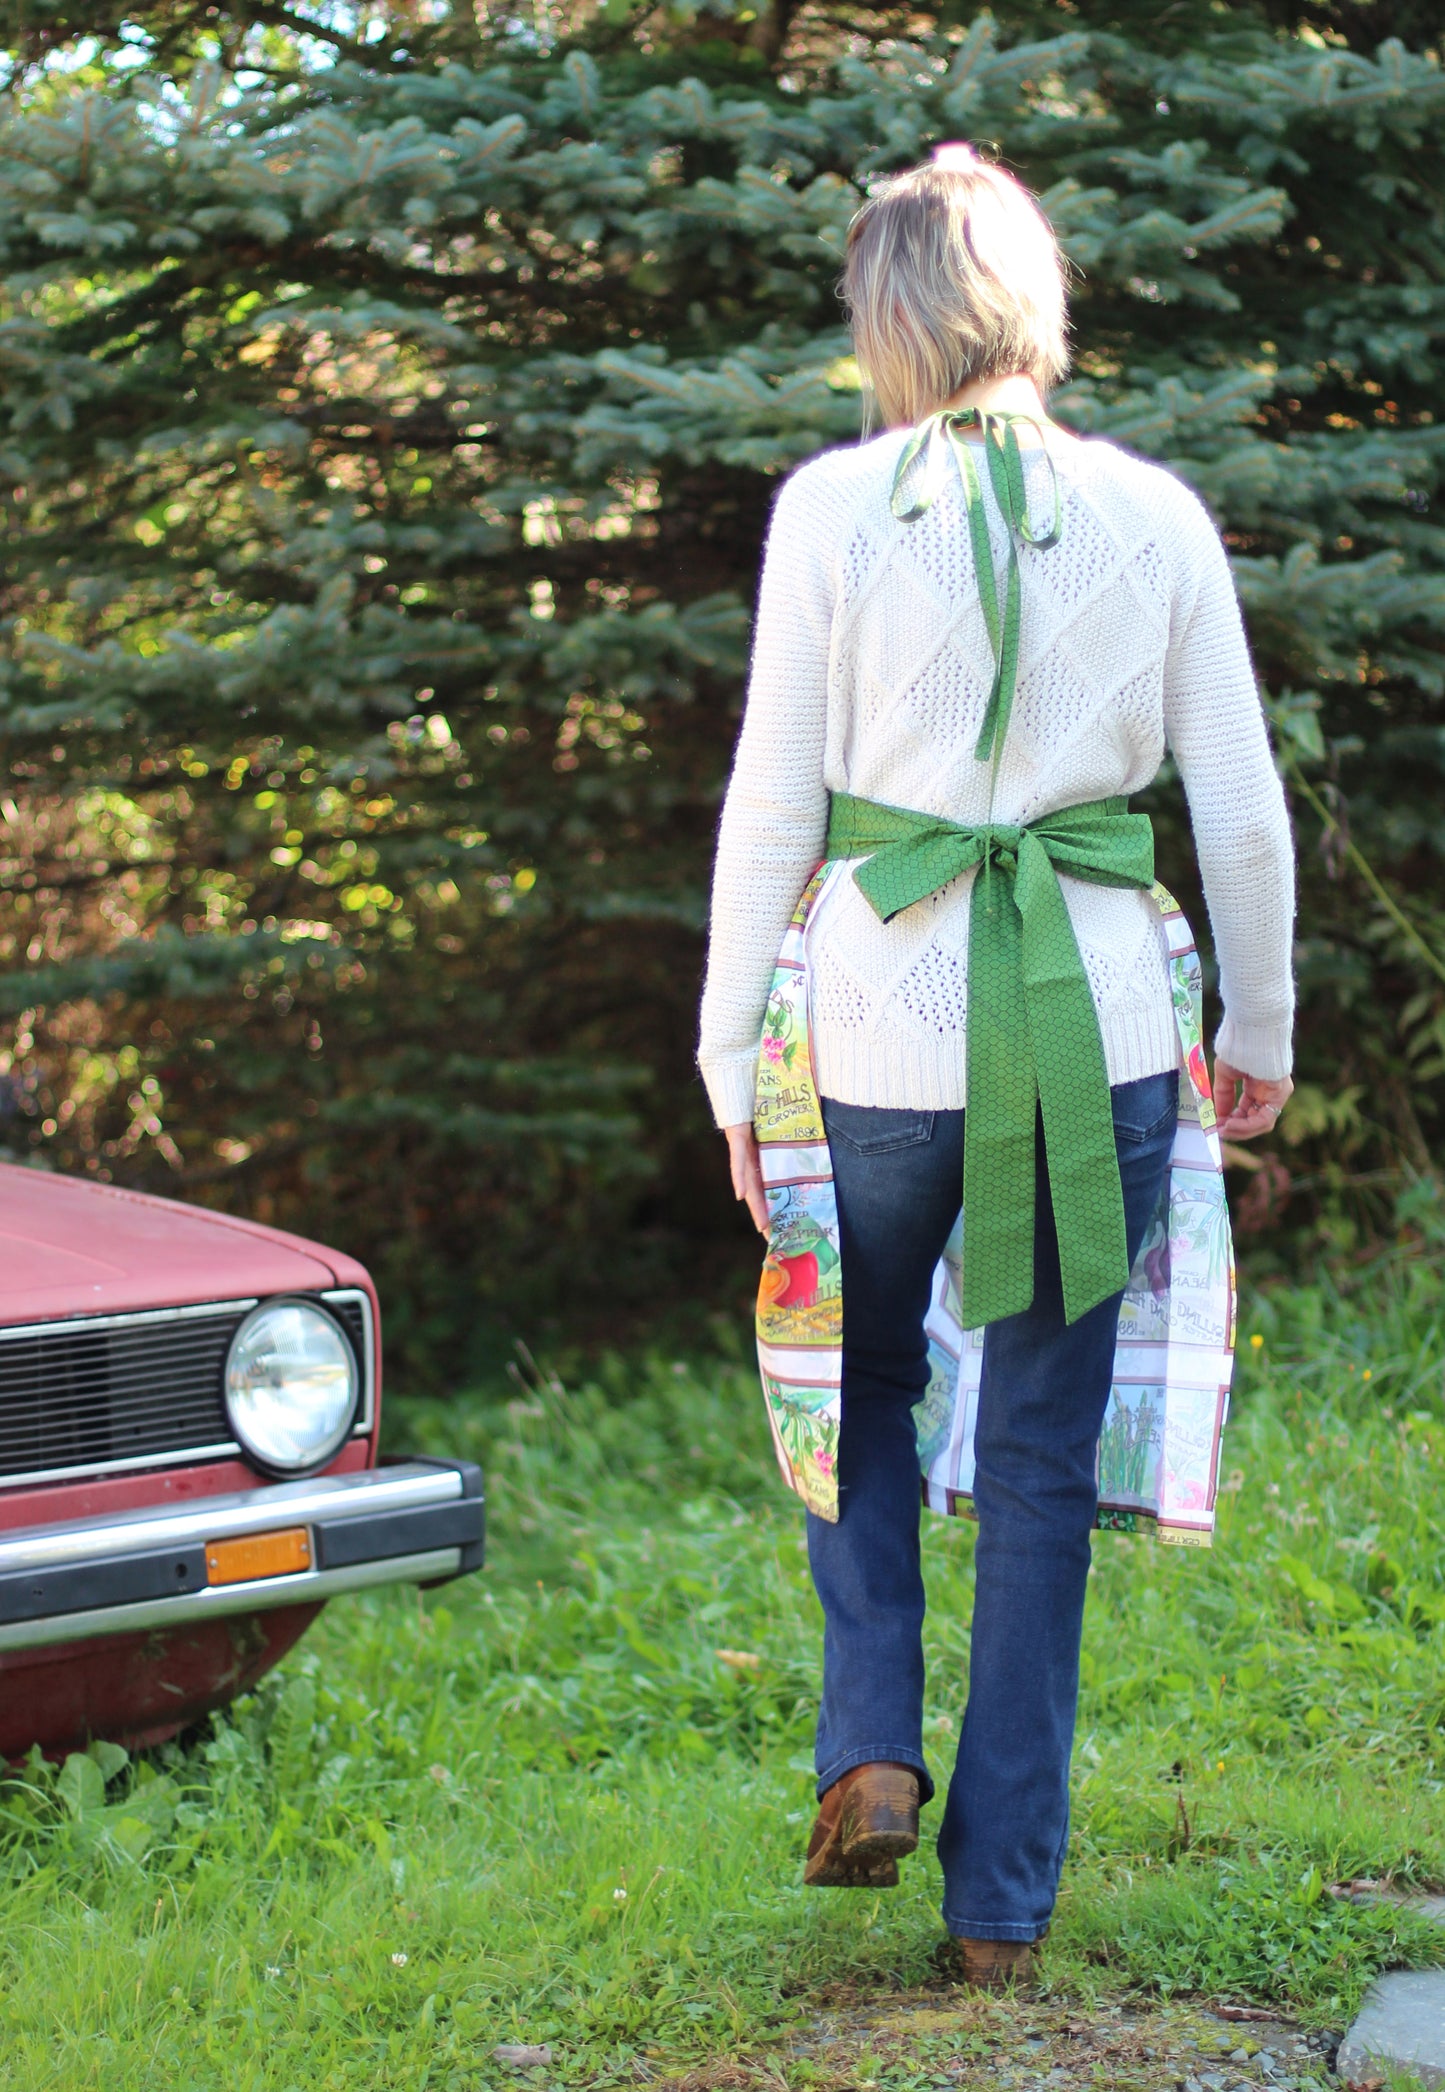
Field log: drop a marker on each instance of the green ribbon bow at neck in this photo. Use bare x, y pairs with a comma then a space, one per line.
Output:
935, 438
1032, 1037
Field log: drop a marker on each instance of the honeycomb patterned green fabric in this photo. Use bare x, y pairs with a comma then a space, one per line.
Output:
1032, 1040
934, 439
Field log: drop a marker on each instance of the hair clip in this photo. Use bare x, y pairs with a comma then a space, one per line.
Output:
955, 158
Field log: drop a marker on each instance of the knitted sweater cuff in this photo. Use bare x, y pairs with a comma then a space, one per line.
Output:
1264, 1050
731, 1083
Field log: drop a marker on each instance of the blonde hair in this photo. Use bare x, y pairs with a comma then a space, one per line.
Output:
953, 273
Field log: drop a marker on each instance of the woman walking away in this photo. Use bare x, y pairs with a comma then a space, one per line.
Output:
977, 634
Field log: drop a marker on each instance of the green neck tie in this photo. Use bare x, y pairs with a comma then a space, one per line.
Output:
1032, 1039
935, 438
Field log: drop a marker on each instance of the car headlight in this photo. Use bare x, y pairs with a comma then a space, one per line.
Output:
291, 1386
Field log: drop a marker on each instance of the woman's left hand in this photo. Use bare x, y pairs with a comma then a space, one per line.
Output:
1247, 1105
748, 1173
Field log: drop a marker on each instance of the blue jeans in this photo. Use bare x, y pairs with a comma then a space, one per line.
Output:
1044, 1390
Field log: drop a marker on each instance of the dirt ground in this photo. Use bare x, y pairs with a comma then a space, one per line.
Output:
950, 2039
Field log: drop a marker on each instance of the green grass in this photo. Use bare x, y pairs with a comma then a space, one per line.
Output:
540, 1805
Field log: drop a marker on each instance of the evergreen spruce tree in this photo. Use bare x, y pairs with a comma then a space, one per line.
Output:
390, 420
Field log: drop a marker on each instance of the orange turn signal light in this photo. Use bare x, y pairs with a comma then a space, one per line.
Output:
256, 1555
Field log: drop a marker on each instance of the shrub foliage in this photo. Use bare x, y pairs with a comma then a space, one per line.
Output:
391, 413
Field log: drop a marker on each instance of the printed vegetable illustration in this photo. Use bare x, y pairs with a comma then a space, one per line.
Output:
1156, 1268
799, 1276
1199, 1070
772, 1285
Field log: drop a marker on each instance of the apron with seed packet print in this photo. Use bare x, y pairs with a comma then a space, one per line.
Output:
1160, 1445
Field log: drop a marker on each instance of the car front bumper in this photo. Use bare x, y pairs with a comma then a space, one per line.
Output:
421, 1522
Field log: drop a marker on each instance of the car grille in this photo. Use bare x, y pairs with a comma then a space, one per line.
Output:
128, 1390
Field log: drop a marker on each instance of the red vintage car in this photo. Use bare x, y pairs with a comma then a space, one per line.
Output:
189, 1408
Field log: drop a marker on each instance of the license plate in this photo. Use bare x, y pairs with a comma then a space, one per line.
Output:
257, 1555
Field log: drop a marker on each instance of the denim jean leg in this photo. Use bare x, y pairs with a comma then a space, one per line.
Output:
1045, 1387
897, 1175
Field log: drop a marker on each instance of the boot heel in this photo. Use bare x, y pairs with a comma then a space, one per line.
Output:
880, 1815
867, 1821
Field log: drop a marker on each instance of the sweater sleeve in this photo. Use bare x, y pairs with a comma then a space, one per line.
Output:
1216, 730
775, 814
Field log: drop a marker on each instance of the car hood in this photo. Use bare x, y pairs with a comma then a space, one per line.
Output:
71, 1247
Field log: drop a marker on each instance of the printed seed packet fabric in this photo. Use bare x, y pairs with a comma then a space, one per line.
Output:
1159, 1452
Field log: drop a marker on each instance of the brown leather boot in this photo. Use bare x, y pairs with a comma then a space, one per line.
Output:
865, 1822
988, 1964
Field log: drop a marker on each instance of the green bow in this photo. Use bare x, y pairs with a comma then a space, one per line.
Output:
1032, 1037
935, 437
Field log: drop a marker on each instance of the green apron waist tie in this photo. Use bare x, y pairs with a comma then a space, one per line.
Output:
1032, 1037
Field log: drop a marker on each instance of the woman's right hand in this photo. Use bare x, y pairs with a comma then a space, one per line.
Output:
748, 1173
1247, 1105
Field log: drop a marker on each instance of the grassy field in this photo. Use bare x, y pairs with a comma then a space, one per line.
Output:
564, 1801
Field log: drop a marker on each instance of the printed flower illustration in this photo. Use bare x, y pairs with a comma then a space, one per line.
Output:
779, 1049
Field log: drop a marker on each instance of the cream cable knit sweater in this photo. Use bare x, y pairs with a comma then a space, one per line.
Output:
871, 668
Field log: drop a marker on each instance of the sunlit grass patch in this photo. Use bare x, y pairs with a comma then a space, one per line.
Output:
564, 1801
